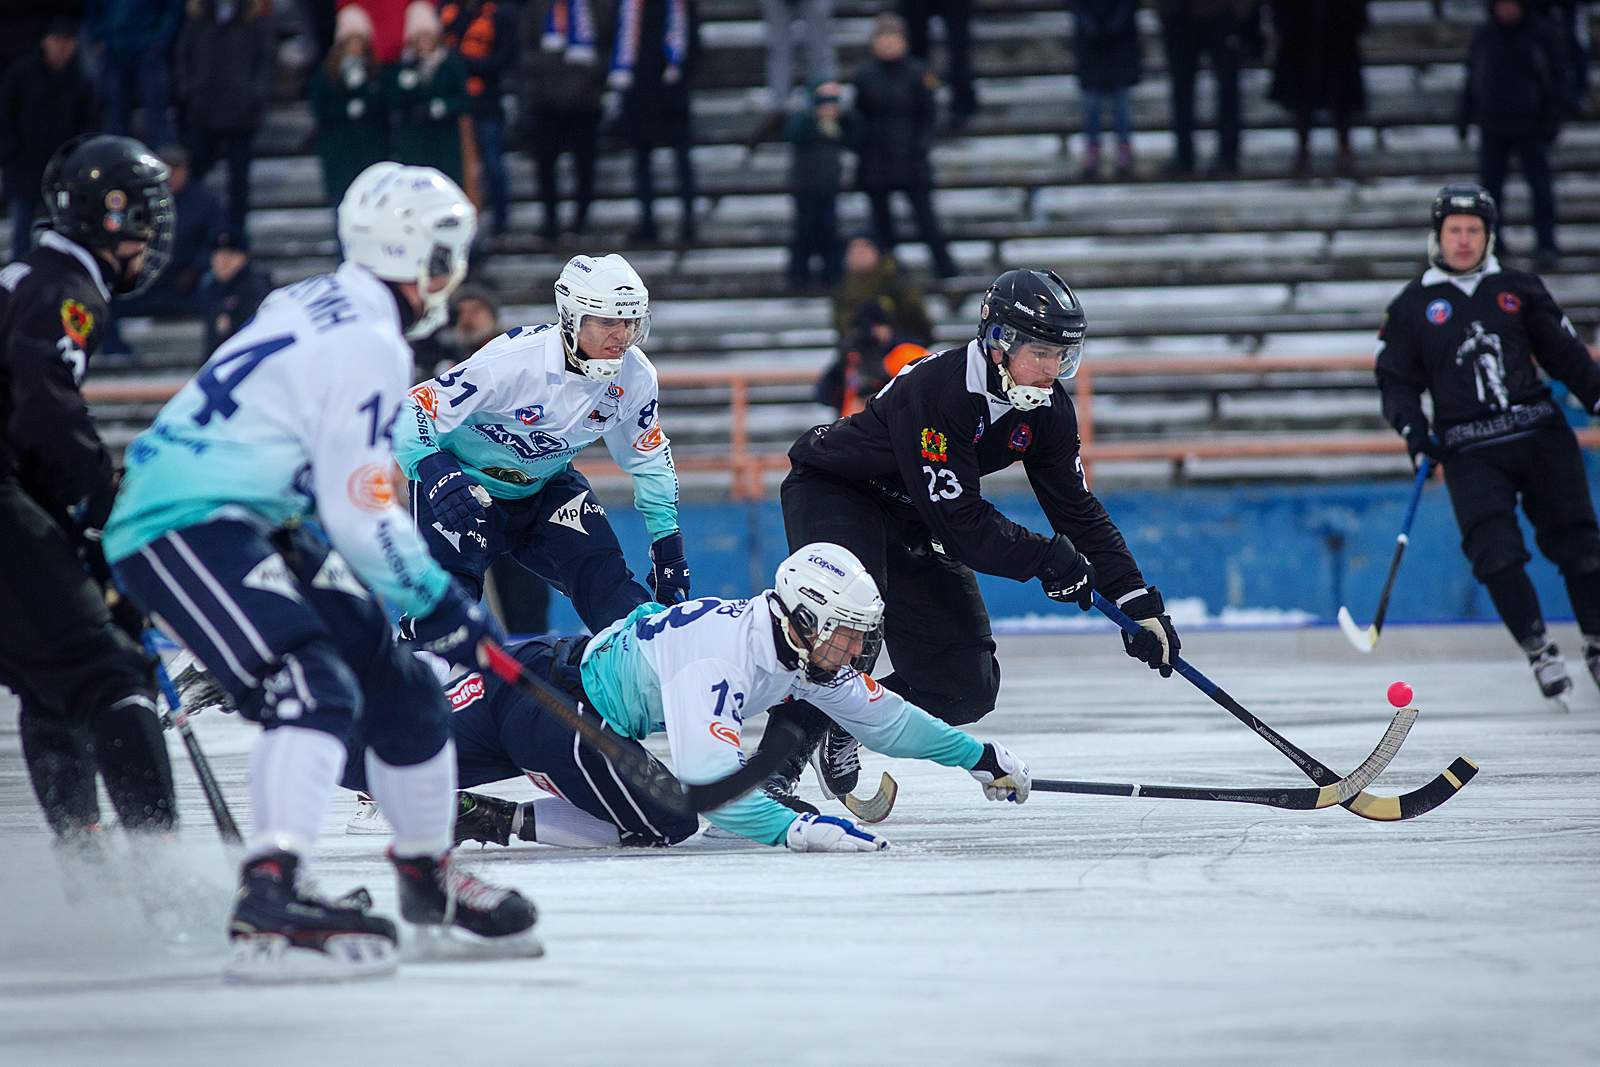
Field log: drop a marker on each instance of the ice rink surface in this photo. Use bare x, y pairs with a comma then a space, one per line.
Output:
1072, 930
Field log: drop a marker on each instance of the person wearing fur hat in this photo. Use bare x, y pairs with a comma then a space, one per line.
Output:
426, 94
347, 102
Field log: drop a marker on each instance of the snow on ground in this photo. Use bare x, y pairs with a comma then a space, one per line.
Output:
1074, 929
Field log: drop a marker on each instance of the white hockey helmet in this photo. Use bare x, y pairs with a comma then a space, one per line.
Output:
606, 287
828, 599
409, 224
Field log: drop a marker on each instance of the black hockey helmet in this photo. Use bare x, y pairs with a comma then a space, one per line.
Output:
1461, 198
1032, 305
102, 190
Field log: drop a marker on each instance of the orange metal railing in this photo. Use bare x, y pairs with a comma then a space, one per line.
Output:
747, 466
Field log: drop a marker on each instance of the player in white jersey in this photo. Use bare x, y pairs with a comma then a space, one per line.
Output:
287, 421
490, 445
698, 671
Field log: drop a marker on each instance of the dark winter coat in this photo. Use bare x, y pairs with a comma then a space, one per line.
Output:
817, 162
424, 112
1516, 78
352, 127
198, 216
1318, 62
132, 26
226, 306
1105, 41
656, 111
552, 79
223, 72
884, 285
897, 109
39, 109
484, 35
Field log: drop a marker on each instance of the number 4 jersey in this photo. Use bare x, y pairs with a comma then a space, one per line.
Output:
291, 418
515, 417
700, 669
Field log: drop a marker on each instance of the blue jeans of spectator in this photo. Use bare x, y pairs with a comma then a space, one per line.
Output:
490, 132
136, 79
21, 208
1096, 100
1494, 160
233, 147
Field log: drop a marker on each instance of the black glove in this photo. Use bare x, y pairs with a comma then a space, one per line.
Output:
1157, 643
1067, 575
669, 571
1421, 442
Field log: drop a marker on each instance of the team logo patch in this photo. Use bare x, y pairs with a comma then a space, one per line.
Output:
467, 691
542, 780
977, 435
427, 399
614, 391
531, 414
116, 200
77, 321
874, 690
1439, 312
1510, 303
725, 733
935, 446
650, 440
1021, 438
370, 489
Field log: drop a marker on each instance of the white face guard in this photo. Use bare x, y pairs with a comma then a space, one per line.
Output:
604, 287
1018, 346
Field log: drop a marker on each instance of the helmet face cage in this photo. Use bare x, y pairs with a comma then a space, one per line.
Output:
829, 601
835, 634
606, 287
102, 190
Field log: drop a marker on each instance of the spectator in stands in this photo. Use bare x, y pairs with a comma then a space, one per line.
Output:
820, 133
814, 19
132, 41
232, 289
1318, 68
198, 217
873, 277
1567, 14
894, 96
1190, 29
484, 34
957, 18
223, 83
1515, 91
474, 320
564, 79
45, 100
387, 18
1105, 42
658, 50
347, 102
868, 357
426, 95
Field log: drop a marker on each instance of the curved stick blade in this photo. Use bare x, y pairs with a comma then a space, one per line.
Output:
1363, 640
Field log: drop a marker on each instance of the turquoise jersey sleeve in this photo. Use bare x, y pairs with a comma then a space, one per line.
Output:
887, 723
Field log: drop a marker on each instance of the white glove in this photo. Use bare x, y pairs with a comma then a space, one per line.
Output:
829, 833
1002, 775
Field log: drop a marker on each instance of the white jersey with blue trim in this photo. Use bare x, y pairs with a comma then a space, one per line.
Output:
291, 419
514, 416
700, 669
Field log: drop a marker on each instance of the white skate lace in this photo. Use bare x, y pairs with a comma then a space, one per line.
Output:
843, 754
461, 886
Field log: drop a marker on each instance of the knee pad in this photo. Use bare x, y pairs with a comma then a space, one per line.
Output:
1495, 547
405, 719
1576, 553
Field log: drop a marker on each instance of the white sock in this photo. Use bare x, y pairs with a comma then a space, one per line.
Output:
292, 771
558, 822
420, 800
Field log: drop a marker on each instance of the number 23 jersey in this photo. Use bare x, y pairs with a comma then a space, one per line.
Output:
699, 669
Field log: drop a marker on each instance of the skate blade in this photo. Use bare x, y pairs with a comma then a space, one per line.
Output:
877, 807
1559, 702
434, 944
268, 959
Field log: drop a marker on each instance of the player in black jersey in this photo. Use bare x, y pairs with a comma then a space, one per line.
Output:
1474, 335
898, 485
83, 681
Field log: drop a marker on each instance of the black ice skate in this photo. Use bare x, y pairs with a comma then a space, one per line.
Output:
781, 786
1591, 656
280, 933
485, 819
837, 762
1549, 669
457, 915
